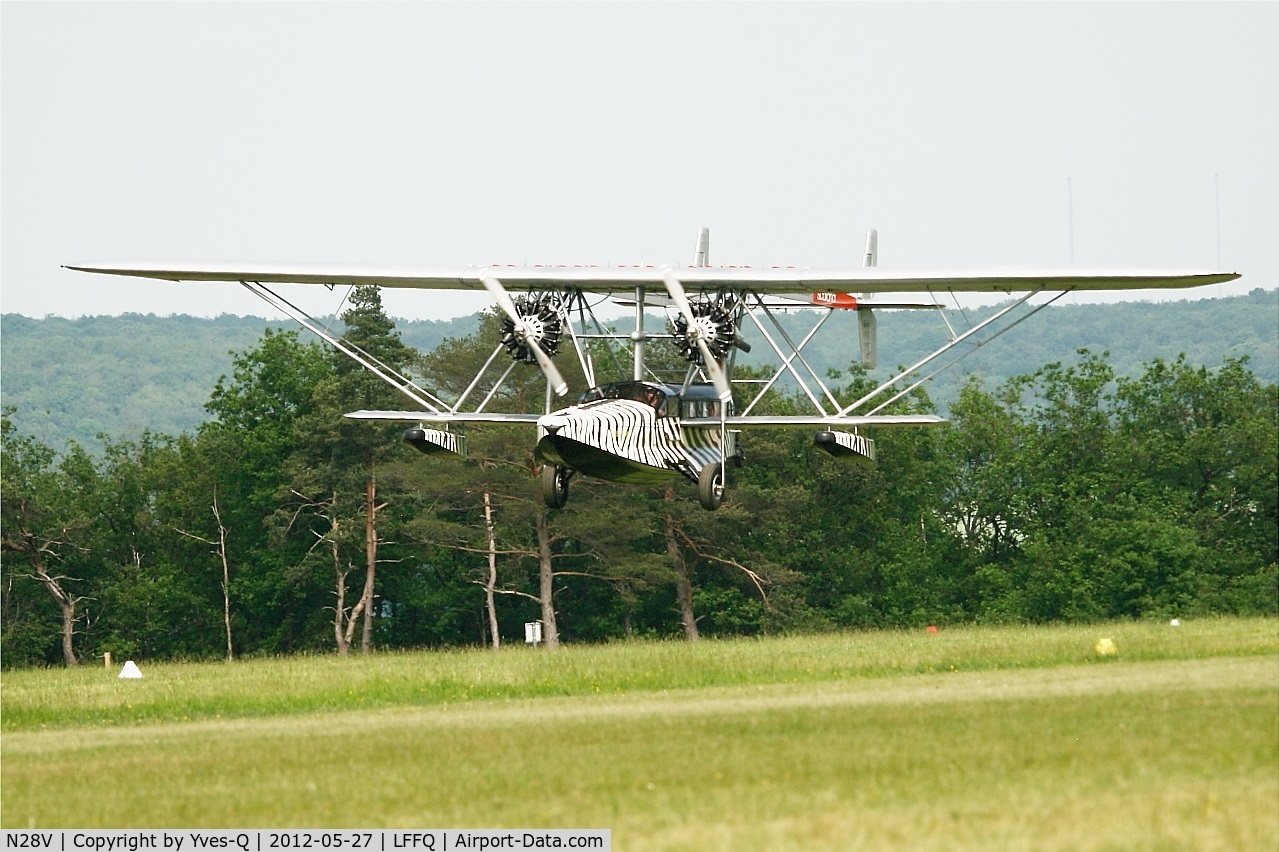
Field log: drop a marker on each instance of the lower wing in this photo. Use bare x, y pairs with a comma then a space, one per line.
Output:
445, 417
761, 421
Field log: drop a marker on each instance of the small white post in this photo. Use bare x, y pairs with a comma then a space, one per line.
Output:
532, 632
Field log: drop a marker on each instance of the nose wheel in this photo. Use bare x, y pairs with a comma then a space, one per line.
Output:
710, 486
554, 488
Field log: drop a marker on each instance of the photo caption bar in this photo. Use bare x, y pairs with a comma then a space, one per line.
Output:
273, 840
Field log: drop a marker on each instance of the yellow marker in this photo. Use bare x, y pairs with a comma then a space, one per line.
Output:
1106, 648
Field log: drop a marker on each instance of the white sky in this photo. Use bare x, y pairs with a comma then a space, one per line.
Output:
447, 134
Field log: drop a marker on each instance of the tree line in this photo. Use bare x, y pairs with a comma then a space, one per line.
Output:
278, 526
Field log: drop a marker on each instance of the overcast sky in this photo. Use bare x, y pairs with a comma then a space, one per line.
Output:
445, 134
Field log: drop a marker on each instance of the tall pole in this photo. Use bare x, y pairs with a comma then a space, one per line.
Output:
1070, 219
1216, 180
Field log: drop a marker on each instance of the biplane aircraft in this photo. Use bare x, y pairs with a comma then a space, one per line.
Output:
646, 429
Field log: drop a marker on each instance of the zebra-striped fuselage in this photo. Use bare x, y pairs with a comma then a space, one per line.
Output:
631, 432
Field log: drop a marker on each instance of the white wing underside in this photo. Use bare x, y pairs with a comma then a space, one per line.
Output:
619, 279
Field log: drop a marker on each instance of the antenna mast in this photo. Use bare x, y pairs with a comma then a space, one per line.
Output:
1070, 218
1216, 181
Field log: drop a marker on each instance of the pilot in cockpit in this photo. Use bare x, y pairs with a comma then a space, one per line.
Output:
653, 398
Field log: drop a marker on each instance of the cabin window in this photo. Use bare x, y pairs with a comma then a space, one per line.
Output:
701, 408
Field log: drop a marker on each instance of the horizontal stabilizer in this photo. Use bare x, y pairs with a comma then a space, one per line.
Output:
868, 337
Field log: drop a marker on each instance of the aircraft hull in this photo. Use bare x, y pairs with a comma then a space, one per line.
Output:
593, 461
624, 440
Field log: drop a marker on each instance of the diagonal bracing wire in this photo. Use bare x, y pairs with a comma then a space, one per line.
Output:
385, 372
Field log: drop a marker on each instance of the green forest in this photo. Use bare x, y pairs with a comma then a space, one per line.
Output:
1074, 486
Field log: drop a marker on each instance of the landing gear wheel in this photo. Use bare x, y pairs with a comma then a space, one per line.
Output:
554, 489
710, 486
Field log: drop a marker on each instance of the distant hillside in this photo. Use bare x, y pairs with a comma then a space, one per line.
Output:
122, 375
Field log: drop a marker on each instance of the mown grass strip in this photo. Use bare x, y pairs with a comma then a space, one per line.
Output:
1172, 754
255, 688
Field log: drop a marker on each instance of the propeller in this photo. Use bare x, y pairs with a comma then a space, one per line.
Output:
676, 291
522, 331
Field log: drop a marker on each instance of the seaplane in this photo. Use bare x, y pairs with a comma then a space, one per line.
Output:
647, 428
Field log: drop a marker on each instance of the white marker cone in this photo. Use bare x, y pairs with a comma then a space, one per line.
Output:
130, 670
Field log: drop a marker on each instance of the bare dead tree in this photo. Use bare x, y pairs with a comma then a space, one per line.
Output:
542, 551
546, 575
371, 541
490, 583
344, 620
683, 582
220, 550
546, 581
683, 591
751, 575
677, 542
40, 550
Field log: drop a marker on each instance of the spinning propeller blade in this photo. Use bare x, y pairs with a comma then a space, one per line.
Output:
507, 304
676, 291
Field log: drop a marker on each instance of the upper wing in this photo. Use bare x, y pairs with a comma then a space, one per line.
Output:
617, 278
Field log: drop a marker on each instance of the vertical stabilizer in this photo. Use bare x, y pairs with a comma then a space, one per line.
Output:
866, 335
865, 317
703, 256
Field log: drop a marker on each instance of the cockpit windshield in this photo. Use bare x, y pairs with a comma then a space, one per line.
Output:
651, 395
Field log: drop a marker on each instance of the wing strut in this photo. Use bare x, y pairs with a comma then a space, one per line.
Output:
797, 355
976, 345
388, 374
843, 412
480, 375
786, 359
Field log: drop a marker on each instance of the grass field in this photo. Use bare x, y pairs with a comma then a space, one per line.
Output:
970, 738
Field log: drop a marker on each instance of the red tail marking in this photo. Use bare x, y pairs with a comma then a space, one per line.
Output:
834, 300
